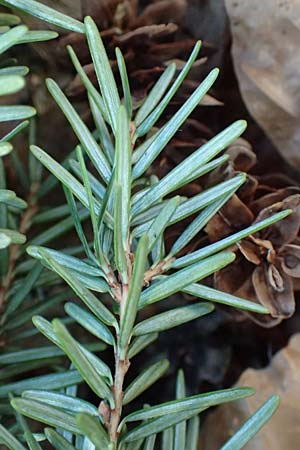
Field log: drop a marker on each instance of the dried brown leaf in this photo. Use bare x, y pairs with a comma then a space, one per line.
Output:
266, 59
286, 230
291, 260
274, 290
283, 431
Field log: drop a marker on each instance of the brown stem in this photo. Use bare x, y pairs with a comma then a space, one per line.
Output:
15, 249
121, 367
159, 269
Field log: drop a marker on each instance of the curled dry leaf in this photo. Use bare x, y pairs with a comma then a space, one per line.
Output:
276, 195
291, 260
282, 432
271, 261
284, 231
267, 266
274, 289
266, 58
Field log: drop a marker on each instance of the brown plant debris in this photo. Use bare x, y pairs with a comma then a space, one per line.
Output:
267, 267
280, 377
